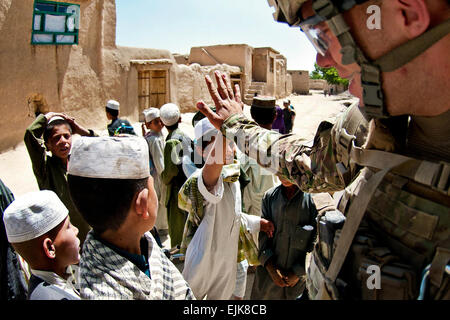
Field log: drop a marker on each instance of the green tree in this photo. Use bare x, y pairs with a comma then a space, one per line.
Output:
329, 74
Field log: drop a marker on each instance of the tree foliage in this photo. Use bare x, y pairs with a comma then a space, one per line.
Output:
329, 74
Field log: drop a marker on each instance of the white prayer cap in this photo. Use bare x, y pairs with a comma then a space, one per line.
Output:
170, 114
55, 118
110, 158
286, 101
204, 127
113, 104
32, 215
151, 114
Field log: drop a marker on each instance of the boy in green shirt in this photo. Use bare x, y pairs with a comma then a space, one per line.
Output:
52, 133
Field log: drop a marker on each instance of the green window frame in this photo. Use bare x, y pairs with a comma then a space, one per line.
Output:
55, 23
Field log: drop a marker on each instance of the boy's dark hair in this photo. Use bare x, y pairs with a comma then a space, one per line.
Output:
114, 113
173, 127
104, 203
263, 116
49, 128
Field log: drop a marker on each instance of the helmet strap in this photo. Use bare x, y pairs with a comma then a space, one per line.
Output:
371, 71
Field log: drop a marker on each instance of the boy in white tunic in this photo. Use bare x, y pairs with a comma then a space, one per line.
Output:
38, 227
212, 197
155, 141
110, 183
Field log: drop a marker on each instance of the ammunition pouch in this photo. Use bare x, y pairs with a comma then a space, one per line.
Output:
380, 274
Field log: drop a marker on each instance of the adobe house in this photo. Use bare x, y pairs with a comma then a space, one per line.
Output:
317, 84
62, 56
262, 70
300, 81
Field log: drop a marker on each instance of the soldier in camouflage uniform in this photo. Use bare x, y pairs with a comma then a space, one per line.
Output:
390, 153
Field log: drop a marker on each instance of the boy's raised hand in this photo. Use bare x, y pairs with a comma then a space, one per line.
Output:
267, 227
76, 128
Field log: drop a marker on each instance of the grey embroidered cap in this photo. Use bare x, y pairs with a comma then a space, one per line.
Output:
32, 215
110, 158
170, 114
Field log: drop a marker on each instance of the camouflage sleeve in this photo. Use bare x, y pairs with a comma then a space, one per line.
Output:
313, 169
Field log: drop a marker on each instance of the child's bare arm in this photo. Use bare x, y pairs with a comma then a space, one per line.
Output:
213, 166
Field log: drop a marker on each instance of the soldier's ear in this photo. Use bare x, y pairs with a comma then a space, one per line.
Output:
414, 16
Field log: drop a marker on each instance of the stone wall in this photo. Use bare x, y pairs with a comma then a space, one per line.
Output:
191, 85
239, 55
317, 84
300, 81
65, 78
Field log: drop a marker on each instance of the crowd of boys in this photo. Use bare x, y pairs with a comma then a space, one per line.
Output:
93, 231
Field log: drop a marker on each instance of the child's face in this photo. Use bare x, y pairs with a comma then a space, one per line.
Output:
67, 244
60, 141
155, 125
216, 157
108, 115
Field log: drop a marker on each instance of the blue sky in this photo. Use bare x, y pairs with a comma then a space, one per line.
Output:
178, 25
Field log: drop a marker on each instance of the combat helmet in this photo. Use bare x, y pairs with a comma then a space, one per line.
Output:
330, 11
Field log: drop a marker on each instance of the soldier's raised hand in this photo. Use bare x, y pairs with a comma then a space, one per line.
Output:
227, 101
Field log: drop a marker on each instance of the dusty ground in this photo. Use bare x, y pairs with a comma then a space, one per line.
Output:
17, 174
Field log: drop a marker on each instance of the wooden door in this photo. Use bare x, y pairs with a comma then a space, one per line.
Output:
158, 88
144, 90
152, 87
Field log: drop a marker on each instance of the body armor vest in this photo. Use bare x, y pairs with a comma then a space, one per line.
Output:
394, 243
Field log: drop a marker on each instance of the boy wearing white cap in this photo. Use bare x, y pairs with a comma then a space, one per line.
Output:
39, 229
49, 140
216, 222
115, 194
173, 176
155, 141
117, 125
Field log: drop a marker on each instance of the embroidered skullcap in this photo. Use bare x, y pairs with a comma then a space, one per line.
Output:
264, 102
113, 105
124, 157
203, 128
32, 215
151, 114
170, 114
